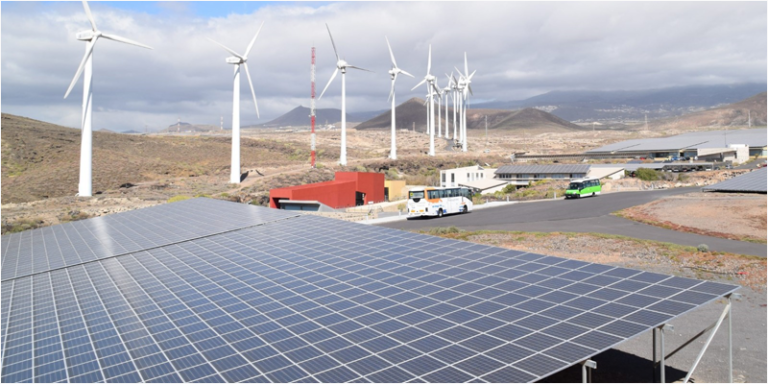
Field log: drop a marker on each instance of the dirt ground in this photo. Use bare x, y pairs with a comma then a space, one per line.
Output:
737, 216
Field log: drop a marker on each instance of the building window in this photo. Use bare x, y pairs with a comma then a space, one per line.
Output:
453, 178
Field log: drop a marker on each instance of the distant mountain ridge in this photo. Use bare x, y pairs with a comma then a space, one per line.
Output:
588, 105
299, 117
413, 113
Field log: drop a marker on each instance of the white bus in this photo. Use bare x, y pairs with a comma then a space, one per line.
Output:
438, 201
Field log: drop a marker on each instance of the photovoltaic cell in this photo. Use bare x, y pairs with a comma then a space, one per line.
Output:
312, 299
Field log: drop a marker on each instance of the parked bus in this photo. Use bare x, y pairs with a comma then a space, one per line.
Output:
582, 188
438, 201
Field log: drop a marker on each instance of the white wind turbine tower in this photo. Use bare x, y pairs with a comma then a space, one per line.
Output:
439, 93
454, 95
85, 187
465, 80
393, 73
342, 66
237, 60
447, 92
430, 105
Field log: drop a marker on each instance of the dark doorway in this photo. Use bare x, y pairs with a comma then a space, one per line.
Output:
359, 199
386, 193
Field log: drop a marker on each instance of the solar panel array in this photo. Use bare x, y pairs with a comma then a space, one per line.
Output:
754, 181
692, 140
73, 243
533, 169
315, 299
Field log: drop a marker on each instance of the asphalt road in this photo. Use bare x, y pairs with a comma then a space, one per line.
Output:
583, 215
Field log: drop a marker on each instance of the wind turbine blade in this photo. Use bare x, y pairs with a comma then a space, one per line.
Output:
90, 16
392, 55
124, 40
329, 83
429, 60
332, 43
253, 93
406, 73
436, 90
362, 69
466, 67
470, 89
225, 48
417, 85
460, 74
392, 90
81, 67
473, 73
247, 51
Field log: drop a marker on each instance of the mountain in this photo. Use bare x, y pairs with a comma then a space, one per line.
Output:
187, 127
299, 117
736, 114
414, 111
588, 105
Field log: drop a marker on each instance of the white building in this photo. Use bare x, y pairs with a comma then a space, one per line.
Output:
455, 177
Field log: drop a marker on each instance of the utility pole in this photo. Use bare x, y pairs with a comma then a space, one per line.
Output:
312, 107
178, 124
486, 131
221, 123
749, 113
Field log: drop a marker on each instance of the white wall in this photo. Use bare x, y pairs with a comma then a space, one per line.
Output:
465, 175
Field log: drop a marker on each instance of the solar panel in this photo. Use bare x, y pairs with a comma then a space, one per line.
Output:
754, 181
59, 246
315, 299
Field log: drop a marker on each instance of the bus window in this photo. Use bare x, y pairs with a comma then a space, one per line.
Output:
433, 194
575, 186
416, 195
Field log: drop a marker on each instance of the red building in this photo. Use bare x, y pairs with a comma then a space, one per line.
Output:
348, 190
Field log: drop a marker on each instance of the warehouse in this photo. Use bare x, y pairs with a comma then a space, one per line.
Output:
725, 145
349, 189
522, 175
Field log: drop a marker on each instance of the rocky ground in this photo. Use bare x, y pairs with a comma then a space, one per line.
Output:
737, 216
632, 253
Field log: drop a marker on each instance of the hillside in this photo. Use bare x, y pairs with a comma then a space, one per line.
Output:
187, 127
41, 160
590, 105
414, 111
299, 117
736, 114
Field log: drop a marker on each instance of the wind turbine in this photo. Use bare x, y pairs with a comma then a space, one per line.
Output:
237, 60
439, 93
393, 73
455, 88
428, 78
342, 66
465, 80
85, 186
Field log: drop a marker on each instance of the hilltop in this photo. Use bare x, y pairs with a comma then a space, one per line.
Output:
736, 114
414, 111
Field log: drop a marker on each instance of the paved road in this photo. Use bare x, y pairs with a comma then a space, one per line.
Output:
584, 215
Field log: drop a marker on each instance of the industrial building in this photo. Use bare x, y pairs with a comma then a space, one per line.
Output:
725, 145
349, 189
522, 175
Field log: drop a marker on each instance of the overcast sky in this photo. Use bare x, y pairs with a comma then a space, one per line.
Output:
518, 49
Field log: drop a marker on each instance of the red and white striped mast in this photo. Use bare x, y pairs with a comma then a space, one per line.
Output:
312, 107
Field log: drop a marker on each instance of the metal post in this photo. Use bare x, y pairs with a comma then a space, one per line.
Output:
586, 375
730, 342
663, 365
653, 366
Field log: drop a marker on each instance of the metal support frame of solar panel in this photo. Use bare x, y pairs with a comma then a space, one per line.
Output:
318, 299
754, 181
59, 246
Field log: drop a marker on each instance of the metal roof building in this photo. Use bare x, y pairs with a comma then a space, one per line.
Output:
754, 181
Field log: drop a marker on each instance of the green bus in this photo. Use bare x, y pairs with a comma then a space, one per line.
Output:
582, 188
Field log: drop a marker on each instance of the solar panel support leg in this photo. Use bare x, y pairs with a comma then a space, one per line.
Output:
653, 345
662, 359
726, 313
586, 374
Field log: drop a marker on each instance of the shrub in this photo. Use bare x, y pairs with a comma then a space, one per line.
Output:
509, 188
646, 174
178, 198
443, 231
703, 248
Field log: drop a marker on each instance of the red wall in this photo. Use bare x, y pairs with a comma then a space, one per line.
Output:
372, 184
339, 193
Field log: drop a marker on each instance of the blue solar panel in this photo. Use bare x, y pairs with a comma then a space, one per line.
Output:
314, 299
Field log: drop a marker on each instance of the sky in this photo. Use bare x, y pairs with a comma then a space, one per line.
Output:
519, 49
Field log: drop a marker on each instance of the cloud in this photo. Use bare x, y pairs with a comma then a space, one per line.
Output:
518, 49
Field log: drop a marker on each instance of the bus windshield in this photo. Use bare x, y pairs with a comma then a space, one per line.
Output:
575, 186
416, 195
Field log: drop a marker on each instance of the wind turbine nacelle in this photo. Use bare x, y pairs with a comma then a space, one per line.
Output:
233, 60
85, 35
